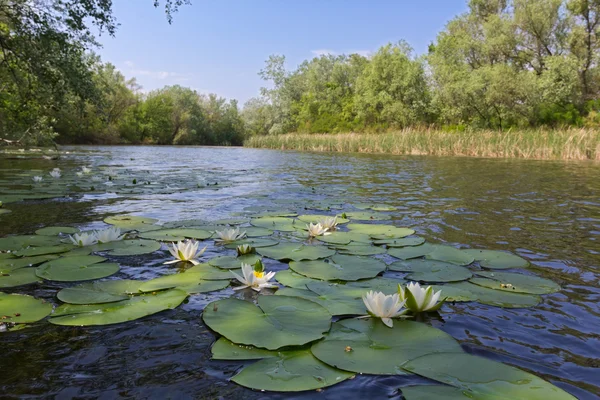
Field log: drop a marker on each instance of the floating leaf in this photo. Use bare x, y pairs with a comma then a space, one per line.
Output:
340, 267
99, 292
253, 231
487, 379
428, 392
133, 247
334, 301
276, 322
122, 311
40, 251
368, 346
19, 277
410, 241
518, 283
232, 262
381, 231
57, 230
176, 234
295, 251
497, 259
211, 273
189, 282
431, 271
367, 216
11, 264
339, 237
292, 279
22, 309
360, 250
71, 269
496, 298
252, 242
450, 254
291, 371
223, 349
14, 243
315, 218
281, 224
406, 253
230, 221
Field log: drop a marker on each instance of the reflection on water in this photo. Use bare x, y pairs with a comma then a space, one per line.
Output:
547, 212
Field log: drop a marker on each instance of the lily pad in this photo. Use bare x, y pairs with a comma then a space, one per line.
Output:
367, 216
40, 251
115, 313
99, 292
292, 279
72, 269
291, 371
211, 273
134, 247
497, 298
57, 230
494, 259
224, 349
431, 271
517, 283
360, 250
281, 224
254, 242
23, 276
315, 218
295, 251
409, 241
340, 267
120, 220
189, 282
22, 309
11, 264
339, 237
14, 243
232, 262
368, 346
450, 254
406, 253
487, 379
254, 231
381, 231
428, 392
276, 322
334, 301
176, 234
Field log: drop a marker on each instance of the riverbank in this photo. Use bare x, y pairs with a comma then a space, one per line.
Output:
566, 144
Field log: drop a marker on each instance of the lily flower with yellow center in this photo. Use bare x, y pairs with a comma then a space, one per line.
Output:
186, 251
383, 306
329, 223
256, 280
315, 230
83, 239
229, 235
420, 300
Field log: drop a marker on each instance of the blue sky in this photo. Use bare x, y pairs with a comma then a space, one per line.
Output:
219, 46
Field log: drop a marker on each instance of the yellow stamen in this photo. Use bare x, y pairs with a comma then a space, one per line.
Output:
259, 274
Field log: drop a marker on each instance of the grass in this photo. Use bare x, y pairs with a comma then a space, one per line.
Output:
565, 144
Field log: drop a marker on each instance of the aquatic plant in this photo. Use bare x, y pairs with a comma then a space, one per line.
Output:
186, 251
83, 239
418, 299
111, 234
254, 277
329, 223
315, 230
55, 173
386, 307
244, 249
229, 235
37, 179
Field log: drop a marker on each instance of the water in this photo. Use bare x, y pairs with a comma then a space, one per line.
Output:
547, 212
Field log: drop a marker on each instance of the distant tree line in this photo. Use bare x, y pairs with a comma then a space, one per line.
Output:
503, 64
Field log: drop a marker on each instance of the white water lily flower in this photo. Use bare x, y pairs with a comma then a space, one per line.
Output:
186, 251
97, 178
315, 230
37, 179
420, 300
329, 223
254, 279
86, 170
230, 235
111, 234
55, 173
83, 239
109, 183
79, 174
244, 249
383, 306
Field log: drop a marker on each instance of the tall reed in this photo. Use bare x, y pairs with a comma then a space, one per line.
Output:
565, 144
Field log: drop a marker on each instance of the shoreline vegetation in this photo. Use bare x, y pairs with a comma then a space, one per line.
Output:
548, 144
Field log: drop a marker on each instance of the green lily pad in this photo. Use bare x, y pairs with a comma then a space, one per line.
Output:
450, 254
19, 277
498, 298
431, 271
11, 264
291, 371
379, 284
381, 231
315, 218
254, 231
377, 349
211, 273
406, 253
428, 392
281, 224
230, 221
292, 279
99, 292
232, 262
134, 247
254, 242
340, 267
40, 251
517, 283
360, 250
57, 230
189, 282
487, 379
22, 309
334, 301
14, 243
115, 313
224, 349
339, 237
494, 259
410, 241
72, 269
452, 293
176, 234
295, 251
278, 321
367, 216
374, 207
120, 220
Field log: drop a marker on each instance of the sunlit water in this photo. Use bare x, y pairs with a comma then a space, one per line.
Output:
547, 212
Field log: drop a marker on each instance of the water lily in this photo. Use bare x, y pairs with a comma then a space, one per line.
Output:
329, 223
86, 170
37, 179
419, 299
83, 239
55, 173
315, 230
244, 249
383, 306
230, 235
256, 280
186, 251
79, 174
111, 234
109, 183
97, 178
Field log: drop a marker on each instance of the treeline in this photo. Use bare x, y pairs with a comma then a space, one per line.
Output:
503, 64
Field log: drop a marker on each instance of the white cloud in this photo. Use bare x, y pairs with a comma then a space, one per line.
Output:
134, 71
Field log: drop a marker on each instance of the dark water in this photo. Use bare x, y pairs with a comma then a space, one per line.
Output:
547, 212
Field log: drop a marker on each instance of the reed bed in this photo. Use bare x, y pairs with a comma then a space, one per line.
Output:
565, 144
